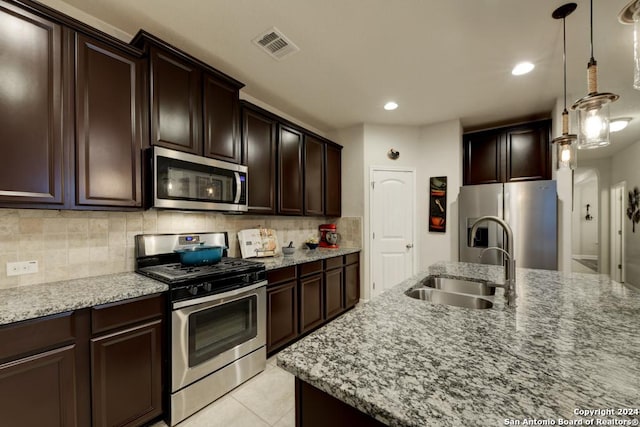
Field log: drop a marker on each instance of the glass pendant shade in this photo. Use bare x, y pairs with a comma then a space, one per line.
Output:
594, 127
593, 109
630, 14
566, 155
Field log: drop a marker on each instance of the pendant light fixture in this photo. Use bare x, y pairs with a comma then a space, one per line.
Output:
630, 14
593, 109
565, 147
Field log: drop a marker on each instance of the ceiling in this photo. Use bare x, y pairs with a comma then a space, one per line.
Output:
439, 60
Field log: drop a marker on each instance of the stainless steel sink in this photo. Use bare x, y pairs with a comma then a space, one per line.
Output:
448, 298
458, 285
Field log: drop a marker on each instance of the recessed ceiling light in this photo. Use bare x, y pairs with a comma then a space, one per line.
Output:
390, 106
619, 124
522, 68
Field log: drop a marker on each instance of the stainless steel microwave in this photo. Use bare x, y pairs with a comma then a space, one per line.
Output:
189, 182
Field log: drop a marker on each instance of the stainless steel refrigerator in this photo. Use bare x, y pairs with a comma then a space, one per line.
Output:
530, 208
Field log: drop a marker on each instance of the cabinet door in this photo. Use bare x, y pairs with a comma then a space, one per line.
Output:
39, 390
176, 106
483, 158
108, 125
221, 118
334, 293
333, 180
126, 385
289, 171
311, 302
282, 315
528, 152
31, 102
352, 284
259, 141
313, 176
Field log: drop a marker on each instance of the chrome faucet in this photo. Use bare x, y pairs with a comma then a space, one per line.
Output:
510, 263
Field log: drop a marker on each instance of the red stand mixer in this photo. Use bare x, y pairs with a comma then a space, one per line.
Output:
328, 236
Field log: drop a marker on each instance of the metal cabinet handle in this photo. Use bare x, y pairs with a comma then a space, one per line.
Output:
410, 245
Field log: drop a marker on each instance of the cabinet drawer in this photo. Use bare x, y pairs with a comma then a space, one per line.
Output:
123, 313
37, 334
351, 258
281, 275
310, 268
332, 263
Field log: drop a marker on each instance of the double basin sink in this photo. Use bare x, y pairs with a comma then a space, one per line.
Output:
456, 292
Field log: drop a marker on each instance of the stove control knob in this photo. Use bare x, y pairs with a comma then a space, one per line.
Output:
193, 290
207, 286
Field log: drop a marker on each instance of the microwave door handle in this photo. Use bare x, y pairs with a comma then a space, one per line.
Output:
238, 187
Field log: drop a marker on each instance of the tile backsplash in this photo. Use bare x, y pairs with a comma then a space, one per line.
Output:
75, 244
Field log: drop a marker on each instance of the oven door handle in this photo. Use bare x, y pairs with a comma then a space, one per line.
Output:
216, 297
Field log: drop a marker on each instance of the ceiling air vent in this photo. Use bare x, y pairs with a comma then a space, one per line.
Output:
276, 44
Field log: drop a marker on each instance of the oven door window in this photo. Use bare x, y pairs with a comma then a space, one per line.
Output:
180, 180
218, 329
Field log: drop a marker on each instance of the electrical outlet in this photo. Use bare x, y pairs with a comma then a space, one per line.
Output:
22, 267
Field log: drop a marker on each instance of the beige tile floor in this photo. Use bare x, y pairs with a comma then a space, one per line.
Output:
265, 400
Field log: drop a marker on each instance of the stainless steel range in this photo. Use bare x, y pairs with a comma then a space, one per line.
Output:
217, 331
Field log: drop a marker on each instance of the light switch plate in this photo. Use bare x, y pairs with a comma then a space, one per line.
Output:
22, 267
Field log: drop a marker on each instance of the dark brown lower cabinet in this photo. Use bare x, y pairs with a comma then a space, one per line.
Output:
351, 284
333, 293
39, 390
304, 297
282, 322
311, 302
315, 408
126, 380
53, 372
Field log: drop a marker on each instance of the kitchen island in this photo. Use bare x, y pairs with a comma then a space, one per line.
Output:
571, 344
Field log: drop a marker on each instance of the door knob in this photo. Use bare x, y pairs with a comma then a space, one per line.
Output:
409, 246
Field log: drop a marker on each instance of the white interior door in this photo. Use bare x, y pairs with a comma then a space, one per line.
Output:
392, 204
617, 232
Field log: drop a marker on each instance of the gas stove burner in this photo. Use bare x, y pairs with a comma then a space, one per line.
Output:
176, 272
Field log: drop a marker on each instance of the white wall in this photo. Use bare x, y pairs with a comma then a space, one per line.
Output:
602, 168
352, 141
433, 150
585, 233
564, 182
626, 167
442, 145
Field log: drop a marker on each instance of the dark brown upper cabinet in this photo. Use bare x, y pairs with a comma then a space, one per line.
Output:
194, 107
221, 120
314, 161
73, 119
33, 68
259, 140
109, 125
528, 152
176, 104
508, 154
290, 167
333, 180
308, 178
483, 158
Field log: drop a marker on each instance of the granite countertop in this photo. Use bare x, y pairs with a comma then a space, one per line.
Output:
571, 343
303, 255
32, 301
